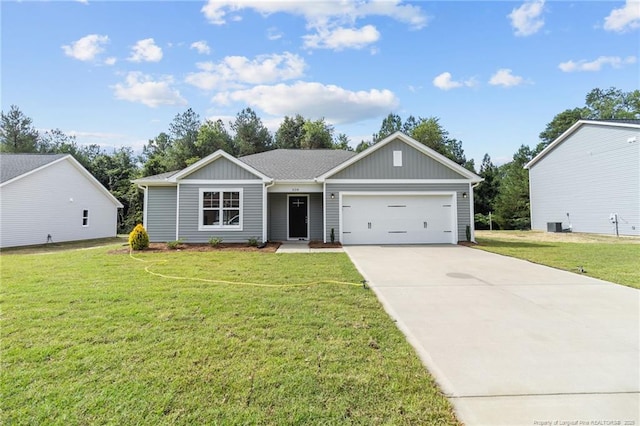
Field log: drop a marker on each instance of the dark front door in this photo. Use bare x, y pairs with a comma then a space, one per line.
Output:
298, 217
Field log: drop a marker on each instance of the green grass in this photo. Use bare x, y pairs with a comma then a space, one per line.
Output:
609, 259
89, 337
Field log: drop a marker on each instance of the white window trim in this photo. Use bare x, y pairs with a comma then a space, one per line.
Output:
202, 227
397, 158
85, 217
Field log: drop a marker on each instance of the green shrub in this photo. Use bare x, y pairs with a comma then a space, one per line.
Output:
138, 238
333, 236
253, 242
215, 241
468, 233
173, 245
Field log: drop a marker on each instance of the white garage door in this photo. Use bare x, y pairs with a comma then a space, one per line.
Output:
398, 219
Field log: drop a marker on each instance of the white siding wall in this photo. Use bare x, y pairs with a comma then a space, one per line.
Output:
40, 204
591, 174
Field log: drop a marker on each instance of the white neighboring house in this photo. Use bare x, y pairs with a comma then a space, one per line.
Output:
52, 198
588, 179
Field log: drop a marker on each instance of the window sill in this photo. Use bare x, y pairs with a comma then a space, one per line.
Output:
219, 228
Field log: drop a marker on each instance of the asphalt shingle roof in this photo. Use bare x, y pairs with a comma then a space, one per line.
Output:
14, 165
618, 120
296, 164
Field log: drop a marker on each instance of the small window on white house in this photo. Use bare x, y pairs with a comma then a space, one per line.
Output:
397, 158
85, 217
220, 209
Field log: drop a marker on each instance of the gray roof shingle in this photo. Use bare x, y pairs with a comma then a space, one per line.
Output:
14, 165
296, 164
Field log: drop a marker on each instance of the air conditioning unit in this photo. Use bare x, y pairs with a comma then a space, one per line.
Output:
554, 226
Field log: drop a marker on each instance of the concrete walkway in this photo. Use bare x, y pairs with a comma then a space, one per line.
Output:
303, 247
511, 342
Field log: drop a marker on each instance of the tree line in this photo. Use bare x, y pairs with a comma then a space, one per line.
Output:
504, 192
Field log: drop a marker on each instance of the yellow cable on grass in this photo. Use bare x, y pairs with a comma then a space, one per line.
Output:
148, 270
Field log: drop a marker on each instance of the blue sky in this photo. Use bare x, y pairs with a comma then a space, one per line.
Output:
116, 73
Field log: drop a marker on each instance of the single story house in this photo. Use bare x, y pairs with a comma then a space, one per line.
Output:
52, 198
588, 179
398, 191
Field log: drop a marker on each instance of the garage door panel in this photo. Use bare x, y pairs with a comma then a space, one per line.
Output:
397, 219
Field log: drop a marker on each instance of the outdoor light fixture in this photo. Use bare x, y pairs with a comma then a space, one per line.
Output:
464, 195
333, 195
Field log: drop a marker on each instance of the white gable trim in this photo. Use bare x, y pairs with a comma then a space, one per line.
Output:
572, 130
210, 159
80, 168
412, 143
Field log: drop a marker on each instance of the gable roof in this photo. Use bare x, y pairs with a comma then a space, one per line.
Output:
17, 166
14, 165
297, 164
171, 178
629, 123
414, 144
213, 157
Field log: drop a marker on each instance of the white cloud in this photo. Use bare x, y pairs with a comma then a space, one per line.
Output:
142, 88
342, 38
332, 22
233, 71
83, 1
110, 61
201, 46
319, 13
526, 19
146, 51
86, 48
445, 81
273, 33
314, 100
625, 18
596, 65
504, 77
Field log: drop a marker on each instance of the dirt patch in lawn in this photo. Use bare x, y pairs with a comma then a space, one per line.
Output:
556, 237
163, 247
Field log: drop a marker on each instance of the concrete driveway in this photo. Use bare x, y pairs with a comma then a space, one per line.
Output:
511, 342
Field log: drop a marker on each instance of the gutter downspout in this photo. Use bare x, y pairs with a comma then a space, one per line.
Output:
264, 209
471, 210
145, 202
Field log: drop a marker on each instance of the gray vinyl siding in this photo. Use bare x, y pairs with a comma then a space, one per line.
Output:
161, 213
333, 205
591, 174
251, 214
379, 165
316, 224
277, 223
221, 169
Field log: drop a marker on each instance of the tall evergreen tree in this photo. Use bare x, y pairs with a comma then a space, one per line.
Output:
251, 136
184, 134
290, 133
17, 133
512, 201
390, 124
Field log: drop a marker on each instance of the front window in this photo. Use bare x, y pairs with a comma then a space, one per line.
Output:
220, 209
85, 217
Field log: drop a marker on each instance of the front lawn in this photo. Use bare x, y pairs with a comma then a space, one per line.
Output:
89, 337
604, 257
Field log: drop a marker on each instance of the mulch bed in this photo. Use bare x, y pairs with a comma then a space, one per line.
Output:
320, 244
162, 247
467, 243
